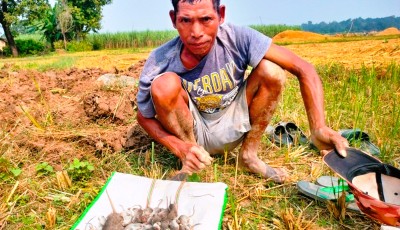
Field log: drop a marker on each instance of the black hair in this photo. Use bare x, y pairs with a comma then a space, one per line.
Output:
216, 4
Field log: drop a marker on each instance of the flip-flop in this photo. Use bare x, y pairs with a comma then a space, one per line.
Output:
279, 135
318, 193
330, 181
354, 135
296, 133
324, 194
335, 184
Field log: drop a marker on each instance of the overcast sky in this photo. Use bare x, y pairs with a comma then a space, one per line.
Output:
137, 15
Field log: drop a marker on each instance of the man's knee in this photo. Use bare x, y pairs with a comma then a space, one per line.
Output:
271, 73
165, 86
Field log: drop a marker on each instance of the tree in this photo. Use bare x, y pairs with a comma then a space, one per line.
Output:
47, 26
65, 21
12, 11
86, 15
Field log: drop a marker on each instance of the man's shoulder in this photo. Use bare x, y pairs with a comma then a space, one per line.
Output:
232, 31
167, 49
226, 29
162, 58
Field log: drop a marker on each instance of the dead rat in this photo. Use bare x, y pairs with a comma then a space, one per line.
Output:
134, 226
146, 214
185, 222
136, 214
173, 225
172, 211
114, 220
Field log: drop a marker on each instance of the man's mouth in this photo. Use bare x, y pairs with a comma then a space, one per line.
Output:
199, 44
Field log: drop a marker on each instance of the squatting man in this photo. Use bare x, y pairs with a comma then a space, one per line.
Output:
195, 100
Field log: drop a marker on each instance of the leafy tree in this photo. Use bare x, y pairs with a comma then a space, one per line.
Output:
47, 26
13, 11
86, 15
357, 25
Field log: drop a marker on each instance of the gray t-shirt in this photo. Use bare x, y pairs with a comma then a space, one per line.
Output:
216, 80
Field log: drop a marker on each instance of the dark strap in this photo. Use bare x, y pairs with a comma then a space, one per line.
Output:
380, 187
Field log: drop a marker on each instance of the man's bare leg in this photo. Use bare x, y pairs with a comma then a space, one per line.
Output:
171, 104
264, 87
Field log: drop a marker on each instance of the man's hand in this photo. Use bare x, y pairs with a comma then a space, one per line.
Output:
195, 160
326, 139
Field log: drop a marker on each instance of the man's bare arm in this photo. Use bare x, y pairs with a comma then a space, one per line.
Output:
193, 157
312, 93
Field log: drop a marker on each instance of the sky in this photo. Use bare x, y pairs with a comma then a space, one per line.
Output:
139, 15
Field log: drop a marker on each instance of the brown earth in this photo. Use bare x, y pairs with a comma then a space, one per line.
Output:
72, 98
39, 109
298, 36
389, 31
68, 99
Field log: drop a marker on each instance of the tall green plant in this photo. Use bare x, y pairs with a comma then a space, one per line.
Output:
48, 26
272, 30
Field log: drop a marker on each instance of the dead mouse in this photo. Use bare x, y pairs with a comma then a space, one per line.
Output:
114, 220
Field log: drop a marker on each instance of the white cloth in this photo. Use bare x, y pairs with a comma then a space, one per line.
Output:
203, 202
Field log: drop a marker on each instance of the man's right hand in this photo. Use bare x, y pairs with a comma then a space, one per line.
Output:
195, 160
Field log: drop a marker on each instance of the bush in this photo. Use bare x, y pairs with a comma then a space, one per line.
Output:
75, 46
26, 47
58, 45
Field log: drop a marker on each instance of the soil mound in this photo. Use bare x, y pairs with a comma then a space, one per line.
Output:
389, 31
70, 98
297, 36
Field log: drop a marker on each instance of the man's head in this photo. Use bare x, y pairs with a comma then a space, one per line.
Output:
216, 4
197, 22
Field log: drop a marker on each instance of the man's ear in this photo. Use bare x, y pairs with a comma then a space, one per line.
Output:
221, 14
173, 18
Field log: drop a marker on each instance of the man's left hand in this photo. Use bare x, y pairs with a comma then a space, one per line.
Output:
326, 139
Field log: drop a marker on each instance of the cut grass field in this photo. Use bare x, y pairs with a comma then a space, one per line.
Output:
42, 140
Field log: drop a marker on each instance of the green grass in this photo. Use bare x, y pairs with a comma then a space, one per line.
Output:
123, 40
366, 98
272, 30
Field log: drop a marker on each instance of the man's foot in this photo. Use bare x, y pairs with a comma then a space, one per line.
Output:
278, 175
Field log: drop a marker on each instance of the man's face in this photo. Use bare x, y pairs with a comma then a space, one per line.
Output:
197, 25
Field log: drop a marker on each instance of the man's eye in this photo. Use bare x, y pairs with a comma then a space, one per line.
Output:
207, 19
185, 20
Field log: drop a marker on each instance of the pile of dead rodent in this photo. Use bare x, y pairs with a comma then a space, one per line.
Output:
136, 218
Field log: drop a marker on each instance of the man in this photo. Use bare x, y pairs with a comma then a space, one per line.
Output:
194, 97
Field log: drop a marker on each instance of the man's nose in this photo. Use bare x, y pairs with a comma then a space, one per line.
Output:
197, 30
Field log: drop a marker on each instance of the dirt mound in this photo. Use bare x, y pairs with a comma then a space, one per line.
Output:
389, 31
71, 99
297, 36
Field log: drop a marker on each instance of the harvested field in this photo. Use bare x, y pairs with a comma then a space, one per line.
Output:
57, 115
352, 54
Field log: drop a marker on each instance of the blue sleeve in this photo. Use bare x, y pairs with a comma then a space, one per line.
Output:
251, 44
143, 97
159, 61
